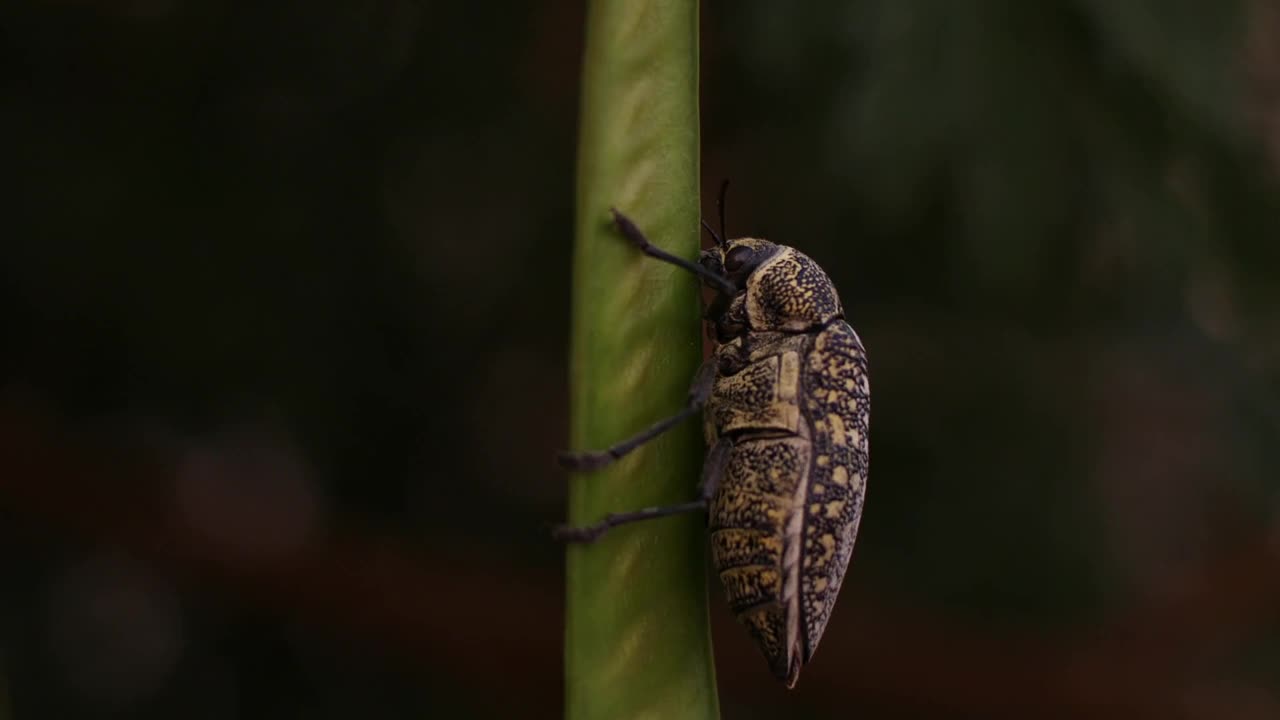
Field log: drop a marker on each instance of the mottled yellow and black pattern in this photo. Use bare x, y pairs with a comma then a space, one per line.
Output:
764, 393
791, 398
837, 402
790, 292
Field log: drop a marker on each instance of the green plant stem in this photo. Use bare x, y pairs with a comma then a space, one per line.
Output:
637, 640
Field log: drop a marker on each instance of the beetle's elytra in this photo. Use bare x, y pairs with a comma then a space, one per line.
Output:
786, 405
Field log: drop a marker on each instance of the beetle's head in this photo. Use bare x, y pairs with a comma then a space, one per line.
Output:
780, 288
737, 259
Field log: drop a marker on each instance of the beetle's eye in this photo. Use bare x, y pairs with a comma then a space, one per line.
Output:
737, 258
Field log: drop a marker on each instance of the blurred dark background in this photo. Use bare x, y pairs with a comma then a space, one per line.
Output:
283, 326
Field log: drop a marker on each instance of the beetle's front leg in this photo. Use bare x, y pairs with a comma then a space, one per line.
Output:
699, 391
631, 232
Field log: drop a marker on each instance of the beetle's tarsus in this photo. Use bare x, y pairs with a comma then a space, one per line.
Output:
570, 534
586, 461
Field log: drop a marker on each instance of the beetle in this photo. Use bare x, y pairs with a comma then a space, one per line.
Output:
786, 403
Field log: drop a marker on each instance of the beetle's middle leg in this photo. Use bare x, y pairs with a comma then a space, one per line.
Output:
699, 391
712, 471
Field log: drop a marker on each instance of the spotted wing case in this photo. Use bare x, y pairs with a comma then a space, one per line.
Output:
837, 402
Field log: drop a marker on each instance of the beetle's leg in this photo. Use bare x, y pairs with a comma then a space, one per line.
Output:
591, 533
699, 391
713, 468
712, 471
637, 238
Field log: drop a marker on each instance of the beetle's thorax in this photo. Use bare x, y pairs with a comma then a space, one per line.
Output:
780, 289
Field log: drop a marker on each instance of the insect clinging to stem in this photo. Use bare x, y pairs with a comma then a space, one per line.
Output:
785, 401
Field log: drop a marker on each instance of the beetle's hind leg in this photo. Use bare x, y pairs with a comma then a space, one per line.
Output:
699, 391
591, 533
712, 471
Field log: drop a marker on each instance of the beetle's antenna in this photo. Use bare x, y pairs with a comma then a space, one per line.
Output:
724, 188
719, 240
